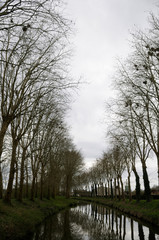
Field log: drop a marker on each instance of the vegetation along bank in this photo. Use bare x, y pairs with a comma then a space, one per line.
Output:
147, 211
21, 218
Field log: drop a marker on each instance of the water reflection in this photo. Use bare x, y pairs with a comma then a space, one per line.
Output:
94, 222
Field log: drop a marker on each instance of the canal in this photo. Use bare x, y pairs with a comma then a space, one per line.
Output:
94, 222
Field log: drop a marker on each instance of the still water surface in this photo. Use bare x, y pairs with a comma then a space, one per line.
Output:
94, 222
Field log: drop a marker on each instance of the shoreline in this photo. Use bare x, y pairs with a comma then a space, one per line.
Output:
19, 221
145, 211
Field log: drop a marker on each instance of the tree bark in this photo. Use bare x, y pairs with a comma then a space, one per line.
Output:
157, 154
119, 193
111, 185
146, 182
27, 181
33, 189
106, 191
95, 189
36, 187
1, 182
21, 185
122, 188
3, 130
129, 186
115, 193
16, 180
7, 198
67, 187
108, 188
49, 192
41, 183
138, 191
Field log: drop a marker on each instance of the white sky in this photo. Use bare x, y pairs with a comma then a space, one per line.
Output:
102, 32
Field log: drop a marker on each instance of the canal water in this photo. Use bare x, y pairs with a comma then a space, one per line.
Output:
94, 222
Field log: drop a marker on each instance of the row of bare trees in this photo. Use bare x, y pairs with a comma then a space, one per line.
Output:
135, 111
105, 177
36, 151
134, 116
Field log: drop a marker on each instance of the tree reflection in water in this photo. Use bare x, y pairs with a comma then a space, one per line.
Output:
93, 222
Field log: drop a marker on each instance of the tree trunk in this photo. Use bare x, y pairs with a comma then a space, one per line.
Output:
41, 182
122, 188
1, 182
129, 186
158, 168
108, 189
119, 193
111, 185
106, 192
16, 180
49, 192
3, 130
20, 196
33, 188
146, 182
157, 153
98, 190
36, 187
67, 187
95, 188
138, 191
7, 198
115, 193
27, 181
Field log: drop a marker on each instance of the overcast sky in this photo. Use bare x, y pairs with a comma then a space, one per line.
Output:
102, 33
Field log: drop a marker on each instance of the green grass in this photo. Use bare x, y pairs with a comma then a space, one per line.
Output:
21, 218
148, 211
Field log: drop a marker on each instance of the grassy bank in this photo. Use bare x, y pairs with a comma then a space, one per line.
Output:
147, 211
21, 218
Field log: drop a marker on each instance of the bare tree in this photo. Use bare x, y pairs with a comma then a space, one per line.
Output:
72, 164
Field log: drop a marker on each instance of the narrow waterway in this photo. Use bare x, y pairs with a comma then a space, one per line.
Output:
94, 222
